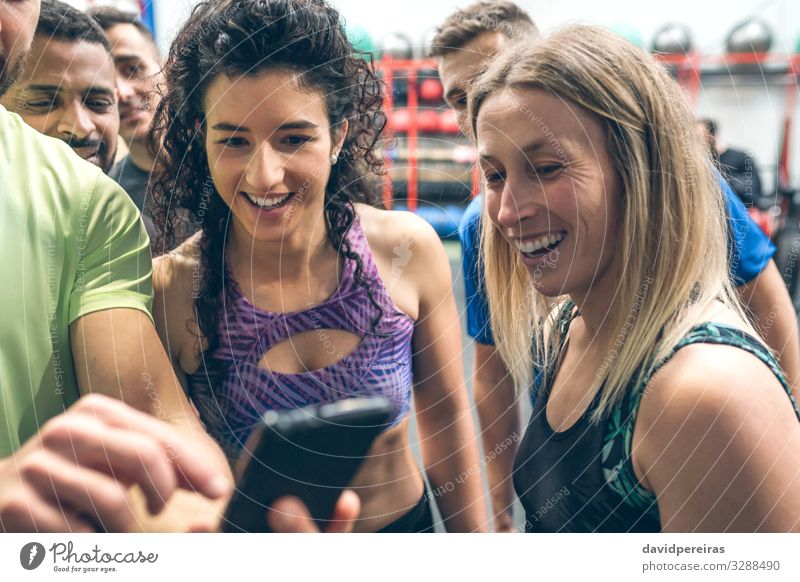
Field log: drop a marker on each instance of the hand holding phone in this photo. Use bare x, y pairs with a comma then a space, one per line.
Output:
311, 453
290, 515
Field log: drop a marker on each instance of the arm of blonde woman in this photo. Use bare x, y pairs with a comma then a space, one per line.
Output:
775, 319
448, 438
118, 353
718, 442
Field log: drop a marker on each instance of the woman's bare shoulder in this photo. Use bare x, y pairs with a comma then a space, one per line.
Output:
712, 425
390, 230
179, 270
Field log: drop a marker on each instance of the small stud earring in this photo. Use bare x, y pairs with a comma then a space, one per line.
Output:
334, 159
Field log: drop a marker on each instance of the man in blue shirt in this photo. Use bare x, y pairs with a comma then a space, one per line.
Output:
463, 43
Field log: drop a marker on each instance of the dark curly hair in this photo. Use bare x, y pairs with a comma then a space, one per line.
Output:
248, 37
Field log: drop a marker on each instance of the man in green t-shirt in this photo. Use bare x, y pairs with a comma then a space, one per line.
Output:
76, 289
76, 292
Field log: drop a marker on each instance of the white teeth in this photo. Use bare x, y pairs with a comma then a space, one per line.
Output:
266, 202
541, 242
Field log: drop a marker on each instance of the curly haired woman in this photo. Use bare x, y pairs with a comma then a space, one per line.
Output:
296, 289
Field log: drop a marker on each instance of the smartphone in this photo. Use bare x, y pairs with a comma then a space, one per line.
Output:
311, 453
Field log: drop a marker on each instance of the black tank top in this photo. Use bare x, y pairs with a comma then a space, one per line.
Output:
582, 479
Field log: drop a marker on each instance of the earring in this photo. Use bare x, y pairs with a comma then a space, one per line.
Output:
334, 159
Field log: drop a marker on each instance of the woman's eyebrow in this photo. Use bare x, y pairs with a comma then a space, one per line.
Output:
302, 124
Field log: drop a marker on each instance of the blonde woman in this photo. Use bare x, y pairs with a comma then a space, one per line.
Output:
604, 243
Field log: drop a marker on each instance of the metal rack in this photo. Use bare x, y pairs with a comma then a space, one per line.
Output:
408, 70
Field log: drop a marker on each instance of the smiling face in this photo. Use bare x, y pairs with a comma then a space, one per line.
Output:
138, 75
67, 91
551, 189
269, 144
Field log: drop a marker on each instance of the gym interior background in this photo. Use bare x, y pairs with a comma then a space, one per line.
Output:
738, 61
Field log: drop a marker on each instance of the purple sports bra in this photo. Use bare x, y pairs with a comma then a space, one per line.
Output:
232, 401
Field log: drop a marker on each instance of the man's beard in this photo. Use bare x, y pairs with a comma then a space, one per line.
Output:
105, 152
110, 159
9, 73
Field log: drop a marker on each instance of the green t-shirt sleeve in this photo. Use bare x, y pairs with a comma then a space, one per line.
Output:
114, 265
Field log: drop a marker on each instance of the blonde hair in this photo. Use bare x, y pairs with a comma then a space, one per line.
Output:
673, 218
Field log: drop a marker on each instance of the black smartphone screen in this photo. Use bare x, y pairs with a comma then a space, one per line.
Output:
311, 453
